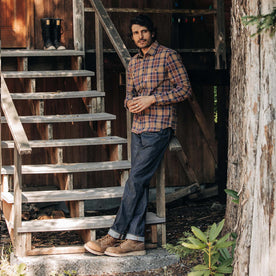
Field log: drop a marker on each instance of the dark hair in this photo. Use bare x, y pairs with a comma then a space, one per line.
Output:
145, 21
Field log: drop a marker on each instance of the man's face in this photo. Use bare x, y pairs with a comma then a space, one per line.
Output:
141, 36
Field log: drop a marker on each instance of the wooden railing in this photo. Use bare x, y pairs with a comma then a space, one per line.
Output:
21, 146
102, 20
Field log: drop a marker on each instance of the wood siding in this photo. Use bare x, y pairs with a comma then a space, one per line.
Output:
200, 68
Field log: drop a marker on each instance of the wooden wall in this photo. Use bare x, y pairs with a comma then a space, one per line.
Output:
53, 9
204, 78
198, 34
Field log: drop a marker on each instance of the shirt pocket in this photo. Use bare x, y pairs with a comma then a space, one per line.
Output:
156, 77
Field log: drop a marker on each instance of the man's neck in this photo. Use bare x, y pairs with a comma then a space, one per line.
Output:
145, 50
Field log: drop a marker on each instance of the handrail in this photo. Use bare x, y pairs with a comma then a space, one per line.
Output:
15, 126
111, 32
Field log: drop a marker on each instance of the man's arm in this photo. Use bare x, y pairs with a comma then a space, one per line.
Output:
179, 78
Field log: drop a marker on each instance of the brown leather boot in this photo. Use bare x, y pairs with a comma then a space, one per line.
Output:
127, 248
98, 247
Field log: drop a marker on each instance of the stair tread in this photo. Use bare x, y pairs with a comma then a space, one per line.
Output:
69, 167
108, 140
56, 95
47, 74
65, 195
64, 118
81, 223
40, 53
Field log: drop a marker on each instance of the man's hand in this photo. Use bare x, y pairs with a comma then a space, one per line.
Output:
140, 103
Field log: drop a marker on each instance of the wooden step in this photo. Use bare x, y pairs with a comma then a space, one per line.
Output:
65, 195
64, 118
46, 74
72, 224
95, 141
69, 167
40, 53
57, 95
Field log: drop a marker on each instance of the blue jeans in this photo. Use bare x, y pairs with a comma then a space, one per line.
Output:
147, 151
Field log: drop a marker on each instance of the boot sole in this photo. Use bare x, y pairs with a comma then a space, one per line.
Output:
93, 251
132, 253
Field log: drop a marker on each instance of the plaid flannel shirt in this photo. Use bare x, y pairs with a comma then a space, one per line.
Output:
160, 73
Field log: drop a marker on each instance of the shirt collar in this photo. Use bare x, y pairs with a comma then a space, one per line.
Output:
152, 50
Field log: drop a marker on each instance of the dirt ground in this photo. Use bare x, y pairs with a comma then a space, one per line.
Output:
181, 215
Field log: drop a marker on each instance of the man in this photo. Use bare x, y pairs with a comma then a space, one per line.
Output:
156, 80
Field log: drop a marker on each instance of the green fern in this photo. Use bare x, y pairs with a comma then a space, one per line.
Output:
264, 23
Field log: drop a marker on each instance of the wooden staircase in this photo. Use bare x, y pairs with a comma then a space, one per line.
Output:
62, 169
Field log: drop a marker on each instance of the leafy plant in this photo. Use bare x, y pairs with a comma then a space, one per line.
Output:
216, 256
233, 194
264, 22
6, 269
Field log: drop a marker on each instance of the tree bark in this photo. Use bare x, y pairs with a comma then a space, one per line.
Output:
252, 134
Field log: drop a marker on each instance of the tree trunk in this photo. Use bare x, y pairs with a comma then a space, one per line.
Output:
252, 134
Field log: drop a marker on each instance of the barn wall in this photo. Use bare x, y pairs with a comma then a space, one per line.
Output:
173, 31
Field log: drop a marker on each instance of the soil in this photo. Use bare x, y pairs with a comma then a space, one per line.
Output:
181, 215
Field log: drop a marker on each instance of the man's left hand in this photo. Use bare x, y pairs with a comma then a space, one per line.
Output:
140, 103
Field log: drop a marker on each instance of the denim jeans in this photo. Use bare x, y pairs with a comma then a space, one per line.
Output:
147, 151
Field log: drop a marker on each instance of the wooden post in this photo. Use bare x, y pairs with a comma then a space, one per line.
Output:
0, 128
161, 203
99, 54
219, 35
19, 246
78, 24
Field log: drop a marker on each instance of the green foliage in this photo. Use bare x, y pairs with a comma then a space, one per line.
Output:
179, 249
6, 269
216, 255
263, 22
233, 194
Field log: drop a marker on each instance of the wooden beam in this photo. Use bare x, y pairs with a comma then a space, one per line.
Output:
99, 54
78, 25
219, 35
203, 126
176, 146
56, 250
188, 12
15, 126
111, 32
161, 202
182, 192
18, 241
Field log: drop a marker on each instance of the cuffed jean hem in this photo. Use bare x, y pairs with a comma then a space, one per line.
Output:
134, 238
115, 234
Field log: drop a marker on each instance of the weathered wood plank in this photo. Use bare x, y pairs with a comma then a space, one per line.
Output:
111, 31
78, 25
65, 195
109, 140
188, 12
11, 117
99, 54
160, 202
19, 244
40, 53
77, 249
47, 74
57, 95
69, 167
203, 126
135, 51
65, 118
72, 224
182, 192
